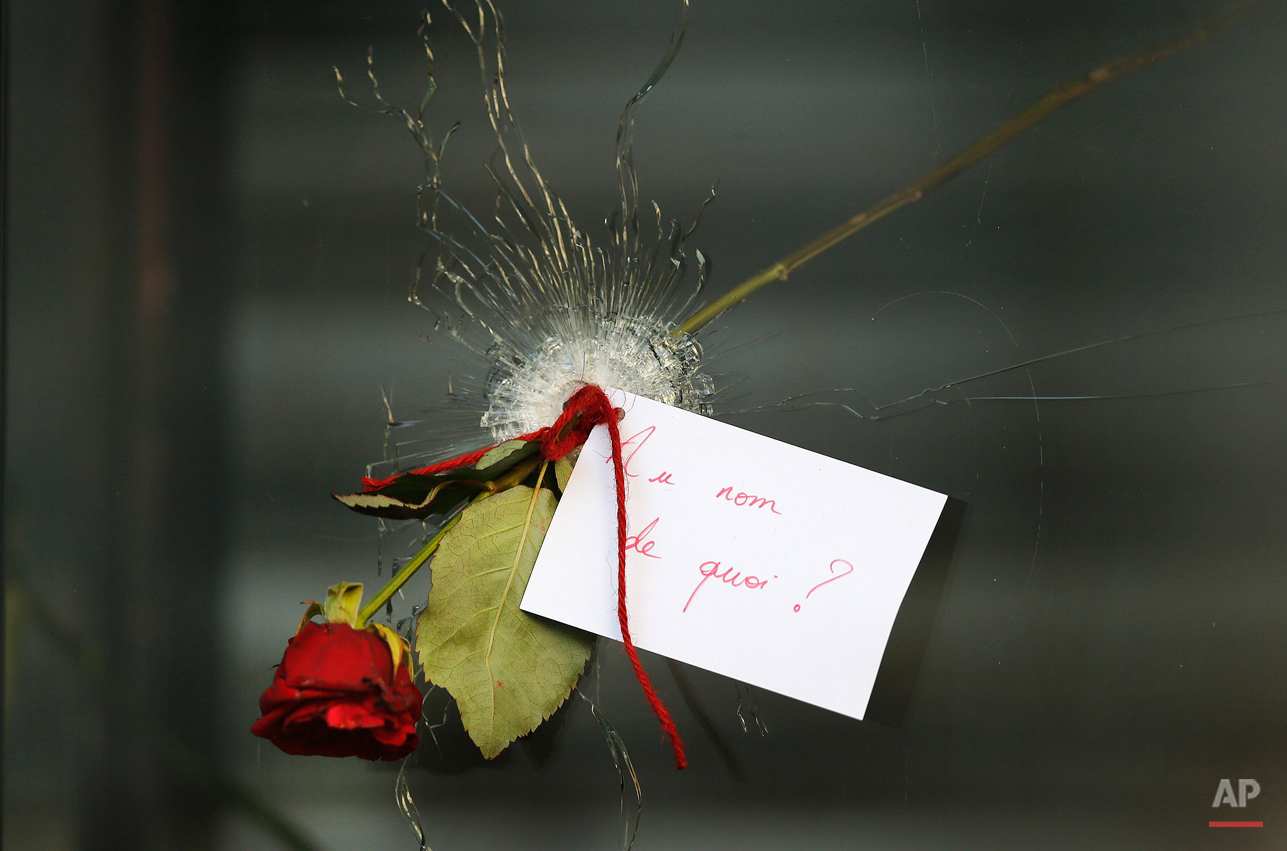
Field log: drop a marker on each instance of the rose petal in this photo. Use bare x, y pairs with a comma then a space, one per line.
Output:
349, 716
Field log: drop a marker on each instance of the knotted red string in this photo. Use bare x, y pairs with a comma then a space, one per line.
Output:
552, 446
585, 409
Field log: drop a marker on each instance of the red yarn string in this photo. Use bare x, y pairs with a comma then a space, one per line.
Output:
585, 409
466, 460
595, 408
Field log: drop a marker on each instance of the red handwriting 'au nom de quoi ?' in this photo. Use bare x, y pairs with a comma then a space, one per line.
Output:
711, 569
748, 499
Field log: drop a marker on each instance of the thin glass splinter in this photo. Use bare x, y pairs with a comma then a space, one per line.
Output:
625, 768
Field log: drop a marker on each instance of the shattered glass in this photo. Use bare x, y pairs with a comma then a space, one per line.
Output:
543, 305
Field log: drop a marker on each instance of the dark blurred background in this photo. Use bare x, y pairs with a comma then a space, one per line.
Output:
207, 262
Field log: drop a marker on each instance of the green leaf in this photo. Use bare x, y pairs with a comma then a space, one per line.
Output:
343, 600
412, 497
500, 453
397, 645
507, 670
314, 608
416, 496
563, 468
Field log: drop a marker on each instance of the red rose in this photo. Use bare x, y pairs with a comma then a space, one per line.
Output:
339, 691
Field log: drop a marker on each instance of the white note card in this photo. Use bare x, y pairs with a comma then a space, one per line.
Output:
746, 556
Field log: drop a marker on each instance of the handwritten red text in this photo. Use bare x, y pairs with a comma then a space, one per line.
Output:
832, 567
640, 543
748, 499
711, 569
636, 441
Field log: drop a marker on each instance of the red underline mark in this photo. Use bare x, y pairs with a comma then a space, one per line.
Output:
1237, 824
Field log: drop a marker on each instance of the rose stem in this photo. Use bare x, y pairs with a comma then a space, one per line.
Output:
981, 148
409, 569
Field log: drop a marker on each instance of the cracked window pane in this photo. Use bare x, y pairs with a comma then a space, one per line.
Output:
209, 257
